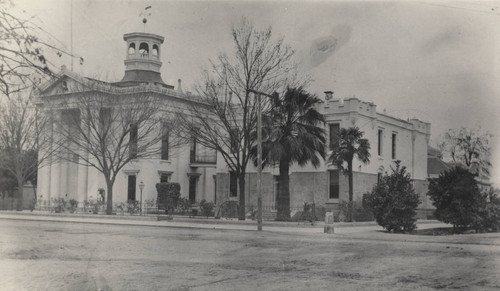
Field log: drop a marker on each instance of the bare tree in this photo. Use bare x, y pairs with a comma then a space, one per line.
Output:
469, 147
107, 131
23, 149
226, 121
23, 49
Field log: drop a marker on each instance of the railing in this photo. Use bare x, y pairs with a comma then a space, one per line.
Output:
203, 159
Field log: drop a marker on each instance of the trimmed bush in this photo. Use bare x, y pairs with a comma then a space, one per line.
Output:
394, 201
168, 196
207, 208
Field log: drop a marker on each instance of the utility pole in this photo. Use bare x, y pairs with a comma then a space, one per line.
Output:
259, 163
259, 156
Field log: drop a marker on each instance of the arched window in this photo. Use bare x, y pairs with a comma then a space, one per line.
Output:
380, 174
131, 49
155, 51
143, 49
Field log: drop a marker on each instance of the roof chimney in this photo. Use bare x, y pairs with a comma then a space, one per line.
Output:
179, 85
328, 95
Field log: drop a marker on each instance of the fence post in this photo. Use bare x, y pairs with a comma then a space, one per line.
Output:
329, 223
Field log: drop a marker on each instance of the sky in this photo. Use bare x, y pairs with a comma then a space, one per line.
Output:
437, 61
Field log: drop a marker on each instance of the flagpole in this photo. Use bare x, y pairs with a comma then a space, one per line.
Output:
71, 31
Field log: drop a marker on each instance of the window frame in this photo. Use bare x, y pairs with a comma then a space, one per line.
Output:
165, 144
394, 151
330, 133
380, 142
232, 186
133, 140
330, 172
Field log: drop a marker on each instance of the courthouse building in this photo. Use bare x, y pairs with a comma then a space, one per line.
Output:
193, 166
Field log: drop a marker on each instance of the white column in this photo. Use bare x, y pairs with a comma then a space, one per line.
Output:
43, 186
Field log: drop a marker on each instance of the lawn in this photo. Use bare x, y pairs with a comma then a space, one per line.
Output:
72, 256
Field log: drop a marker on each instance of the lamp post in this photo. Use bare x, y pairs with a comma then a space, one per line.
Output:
259, 157
141, 186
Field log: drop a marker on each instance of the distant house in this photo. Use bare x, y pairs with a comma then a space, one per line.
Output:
435, 164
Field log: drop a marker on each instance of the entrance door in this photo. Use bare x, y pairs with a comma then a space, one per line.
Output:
192, 188
131, 187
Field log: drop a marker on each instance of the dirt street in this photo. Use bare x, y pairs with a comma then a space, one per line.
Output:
80, 256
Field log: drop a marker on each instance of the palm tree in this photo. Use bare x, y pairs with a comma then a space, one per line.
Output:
349, 145
292, 133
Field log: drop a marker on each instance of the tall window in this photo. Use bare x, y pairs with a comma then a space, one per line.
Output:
202, 154
192, 155
233, 184
334, 190
380, 142
234, 138
104, 117
164, 143
334, 134
380, 173
133, 141
131, 187
393, 143
192, 188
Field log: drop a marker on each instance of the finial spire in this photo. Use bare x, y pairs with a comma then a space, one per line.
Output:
145, 14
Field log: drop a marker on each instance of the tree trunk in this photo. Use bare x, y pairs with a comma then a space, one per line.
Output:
20, 188
109, 198
241, 209
351, 191
34, 191
284, 192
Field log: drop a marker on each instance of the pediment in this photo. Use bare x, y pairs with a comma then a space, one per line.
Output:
62, 85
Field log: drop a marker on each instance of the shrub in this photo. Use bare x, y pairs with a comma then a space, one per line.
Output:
363, 213
184, 206
344, 210
86, 205
133, 206
120, 206
73, 205
149, 203
252, 213
492, 212
168, 196
394, 201
207, 208
59, 204
457, 198
229, 209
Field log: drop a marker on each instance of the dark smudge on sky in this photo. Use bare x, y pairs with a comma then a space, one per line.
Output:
323, 47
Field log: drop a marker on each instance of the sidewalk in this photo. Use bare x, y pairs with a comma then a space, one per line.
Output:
201, 223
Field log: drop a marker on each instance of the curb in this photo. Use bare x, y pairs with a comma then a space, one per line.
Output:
179, 219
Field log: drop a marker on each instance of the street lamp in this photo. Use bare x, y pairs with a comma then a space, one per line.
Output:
259, 157
141, 186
